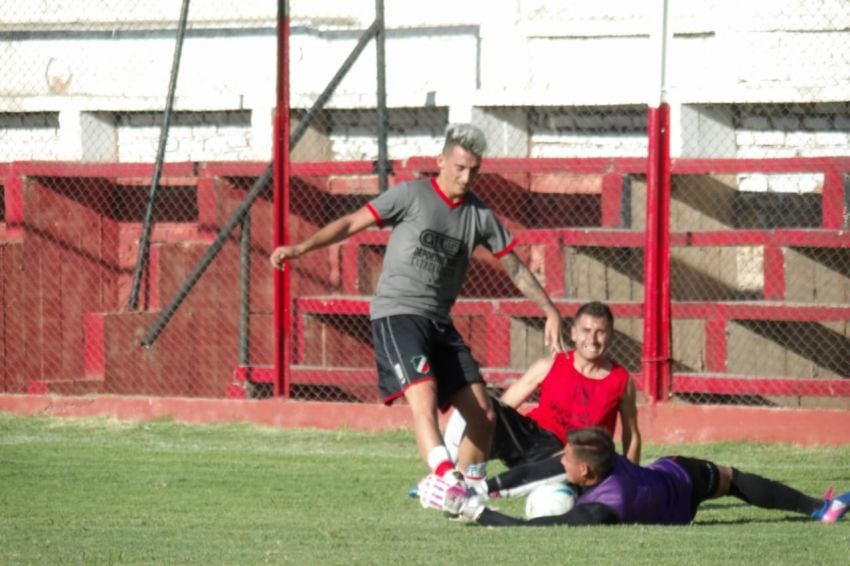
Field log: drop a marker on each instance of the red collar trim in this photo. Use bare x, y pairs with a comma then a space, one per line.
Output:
443, 196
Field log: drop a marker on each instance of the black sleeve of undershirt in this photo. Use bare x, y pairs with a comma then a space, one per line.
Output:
526, 473
585, 514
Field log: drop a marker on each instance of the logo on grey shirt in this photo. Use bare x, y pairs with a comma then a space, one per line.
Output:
439, 253
442, 244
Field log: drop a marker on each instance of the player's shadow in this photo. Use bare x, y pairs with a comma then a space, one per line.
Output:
741, 521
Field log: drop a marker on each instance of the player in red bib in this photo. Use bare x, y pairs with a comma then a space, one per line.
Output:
577, 389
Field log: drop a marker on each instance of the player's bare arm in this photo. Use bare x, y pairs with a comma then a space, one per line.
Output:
528, 285
629, 421
519, 391
336, 231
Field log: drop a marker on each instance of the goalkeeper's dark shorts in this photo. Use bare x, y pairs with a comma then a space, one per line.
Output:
518, 439
705, 478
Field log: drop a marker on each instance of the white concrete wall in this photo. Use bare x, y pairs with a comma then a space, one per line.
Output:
99, 68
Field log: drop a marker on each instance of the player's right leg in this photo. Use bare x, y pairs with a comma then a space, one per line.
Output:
403, 354
422, 399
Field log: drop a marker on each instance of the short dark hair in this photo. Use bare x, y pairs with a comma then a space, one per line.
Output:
596, 310
595, 447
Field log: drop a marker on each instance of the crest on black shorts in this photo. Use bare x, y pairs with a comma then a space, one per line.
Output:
420, 364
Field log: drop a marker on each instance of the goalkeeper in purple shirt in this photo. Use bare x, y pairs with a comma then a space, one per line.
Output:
612, 490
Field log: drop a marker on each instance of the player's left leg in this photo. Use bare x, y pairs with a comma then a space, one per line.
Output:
453, 433
460, 384
766, 493
473, 403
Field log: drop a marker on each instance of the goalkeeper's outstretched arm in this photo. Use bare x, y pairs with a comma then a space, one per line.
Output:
585, 514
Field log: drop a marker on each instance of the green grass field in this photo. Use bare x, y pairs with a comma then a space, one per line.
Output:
106, 492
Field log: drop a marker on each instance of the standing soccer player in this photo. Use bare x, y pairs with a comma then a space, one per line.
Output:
436, 224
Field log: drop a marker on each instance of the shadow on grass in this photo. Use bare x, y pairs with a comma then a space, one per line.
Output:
726, 505
743, 521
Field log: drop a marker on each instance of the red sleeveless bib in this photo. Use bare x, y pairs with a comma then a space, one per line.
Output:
569, 399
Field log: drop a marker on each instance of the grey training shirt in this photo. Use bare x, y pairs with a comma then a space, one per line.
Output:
430, 247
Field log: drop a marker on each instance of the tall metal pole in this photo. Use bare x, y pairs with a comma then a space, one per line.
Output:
383, 165
657, 325
649, 354
665, 324
281, 200
144, 243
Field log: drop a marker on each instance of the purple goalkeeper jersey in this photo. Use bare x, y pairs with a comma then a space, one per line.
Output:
656, 494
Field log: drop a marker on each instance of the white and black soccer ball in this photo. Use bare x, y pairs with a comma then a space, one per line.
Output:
549, 499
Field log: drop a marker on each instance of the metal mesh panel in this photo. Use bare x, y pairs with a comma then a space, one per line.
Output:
85, 106
759, 205
531, 178
759, 139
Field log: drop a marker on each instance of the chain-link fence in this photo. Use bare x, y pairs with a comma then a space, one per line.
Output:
98, 300
759, 205
94, 92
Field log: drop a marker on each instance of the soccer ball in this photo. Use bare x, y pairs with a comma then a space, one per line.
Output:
549, 499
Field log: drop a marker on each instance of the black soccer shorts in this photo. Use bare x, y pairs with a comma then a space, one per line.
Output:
705, 478
518, 439
412, 348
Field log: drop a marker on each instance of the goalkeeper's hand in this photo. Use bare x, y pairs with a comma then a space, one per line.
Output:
437, 493
453, 499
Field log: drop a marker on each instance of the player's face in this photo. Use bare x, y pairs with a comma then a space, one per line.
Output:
458, 170
591, 336
572, 467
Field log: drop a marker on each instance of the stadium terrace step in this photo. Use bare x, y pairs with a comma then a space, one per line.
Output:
64, 386
500, 378
725, 384
741, 310
363, 380
716, 320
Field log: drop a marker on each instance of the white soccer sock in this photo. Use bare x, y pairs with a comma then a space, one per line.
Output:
454, 434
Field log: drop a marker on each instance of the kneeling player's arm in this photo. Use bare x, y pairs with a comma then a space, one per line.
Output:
585, 514
521, 479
